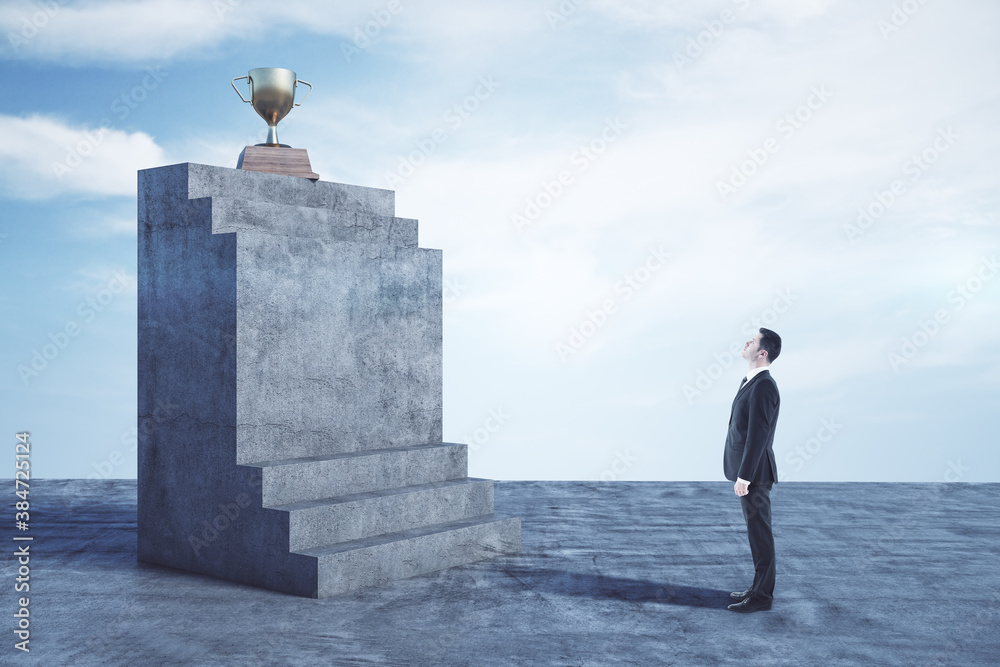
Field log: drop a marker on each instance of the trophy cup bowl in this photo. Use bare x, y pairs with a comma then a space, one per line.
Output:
272, 95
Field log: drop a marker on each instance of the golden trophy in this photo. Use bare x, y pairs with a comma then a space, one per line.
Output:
272, 95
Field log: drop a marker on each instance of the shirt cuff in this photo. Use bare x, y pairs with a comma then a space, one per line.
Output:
740, 480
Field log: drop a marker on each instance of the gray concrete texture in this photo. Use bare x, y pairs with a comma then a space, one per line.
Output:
294, 329
610, 573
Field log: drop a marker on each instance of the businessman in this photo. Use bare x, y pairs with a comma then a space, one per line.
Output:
749, 461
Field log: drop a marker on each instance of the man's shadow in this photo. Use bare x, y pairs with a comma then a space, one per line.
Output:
599, 586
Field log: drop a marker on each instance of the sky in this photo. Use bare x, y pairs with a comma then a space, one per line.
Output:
623, 193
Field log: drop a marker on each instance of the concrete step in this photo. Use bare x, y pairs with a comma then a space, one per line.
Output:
268, 442
229, 215
328, 521
318, 477
349, 566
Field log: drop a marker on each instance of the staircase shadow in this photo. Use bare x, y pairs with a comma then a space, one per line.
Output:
598, 586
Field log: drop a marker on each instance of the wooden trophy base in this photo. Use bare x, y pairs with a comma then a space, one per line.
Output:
277, 160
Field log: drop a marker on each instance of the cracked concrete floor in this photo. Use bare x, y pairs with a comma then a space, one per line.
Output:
633, 573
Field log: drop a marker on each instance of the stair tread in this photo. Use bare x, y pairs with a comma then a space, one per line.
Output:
330, 549
347, 455
398, 490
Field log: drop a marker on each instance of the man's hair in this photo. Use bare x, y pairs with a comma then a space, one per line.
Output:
770, 342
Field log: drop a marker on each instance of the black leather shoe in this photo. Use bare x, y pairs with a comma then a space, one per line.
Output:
740, 596
750, 604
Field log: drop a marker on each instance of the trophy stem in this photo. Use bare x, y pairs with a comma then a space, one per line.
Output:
272, 135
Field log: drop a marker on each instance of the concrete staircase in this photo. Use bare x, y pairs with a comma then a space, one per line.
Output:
369, 517
296, 328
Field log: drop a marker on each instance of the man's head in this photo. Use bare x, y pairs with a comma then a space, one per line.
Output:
763, 348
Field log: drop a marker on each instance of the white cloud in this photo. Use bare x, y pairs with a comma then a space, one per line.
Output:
113, 30
43, 157
159, 30
694, 13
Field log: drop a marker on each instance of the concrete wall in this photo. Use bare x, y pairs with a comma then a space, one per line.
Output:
286, 318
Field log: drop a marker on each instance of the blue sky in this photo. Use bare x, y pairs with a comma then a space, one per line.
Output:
622, 190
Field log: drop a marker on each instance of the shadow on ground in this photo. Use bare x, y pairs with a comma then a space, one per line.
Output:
603, 587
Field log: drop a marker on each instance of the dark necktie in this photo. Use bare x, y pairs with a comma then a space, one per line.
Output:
743, 382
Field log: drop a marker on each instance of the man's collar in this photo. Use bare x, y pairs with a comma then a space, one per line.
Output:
755, 372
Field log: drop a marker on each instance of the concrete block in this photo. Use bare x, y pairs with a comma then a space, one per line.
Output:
294, 330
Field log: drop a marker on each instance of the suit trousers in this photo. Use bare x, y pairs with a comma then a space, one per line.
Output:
757, 512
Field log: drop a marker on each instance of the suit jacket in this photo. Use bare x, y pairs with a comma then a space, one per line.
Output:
748, 452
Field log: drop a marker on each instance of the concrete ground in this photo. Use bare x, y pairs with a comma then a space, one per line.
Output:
633, 573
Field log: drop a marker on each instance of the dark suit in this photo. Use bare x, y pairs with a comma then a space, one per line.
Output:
749, 455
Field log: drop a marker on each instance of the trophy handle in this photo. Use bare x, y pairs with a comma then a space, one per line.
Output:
238, 90
307, 94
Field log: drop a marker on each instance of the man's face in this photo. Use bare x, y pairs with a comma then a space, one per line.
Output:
751, 349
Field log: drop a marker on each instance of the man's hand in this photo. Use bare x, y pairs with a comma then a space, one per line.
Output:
742, 488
